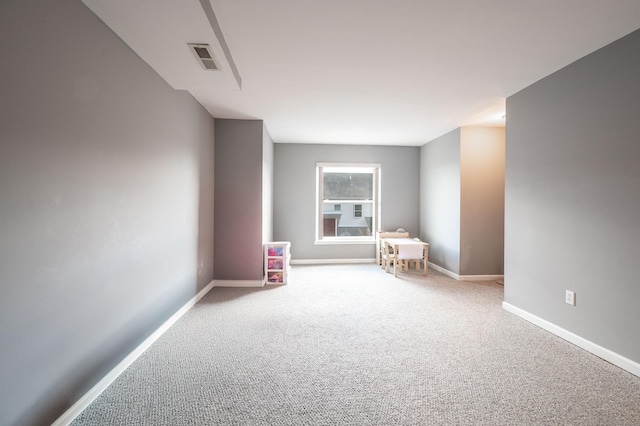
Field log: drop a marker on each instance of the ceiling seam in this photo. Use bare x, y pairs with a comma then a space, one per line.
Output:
213, 21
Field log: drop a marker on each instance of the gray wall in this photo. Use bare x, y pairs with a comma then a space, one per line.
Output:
238, 199
267, 186
106, 204
295, 194
440, 200
482, 163
573, 197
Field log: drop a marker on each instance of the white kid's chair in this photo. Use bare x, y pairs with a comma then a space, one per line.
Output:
383, 257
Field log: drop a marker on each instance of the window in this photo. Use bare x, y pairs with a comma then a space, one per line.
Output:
348, 201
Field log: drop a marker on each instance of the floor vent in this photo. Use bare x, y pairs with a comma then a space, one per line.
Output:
204, 55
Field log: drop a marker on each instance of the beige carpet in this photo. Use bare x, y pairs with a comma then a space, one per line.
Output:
352, 345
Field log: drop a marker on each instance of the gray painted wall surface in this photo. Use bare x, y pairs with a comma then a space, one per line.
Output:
482, 163
238, 200
440, 200
106, 206
295, 194
573, 197
267, 186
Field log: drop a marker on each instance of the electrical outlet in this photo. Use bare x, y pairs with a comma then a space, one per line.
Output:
570, 297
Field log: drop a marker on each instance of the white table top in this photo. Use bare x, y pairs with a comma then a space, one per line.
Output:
402, 241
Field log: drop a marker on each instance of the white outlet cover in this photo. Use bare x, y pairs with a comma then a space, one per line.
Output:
570, 297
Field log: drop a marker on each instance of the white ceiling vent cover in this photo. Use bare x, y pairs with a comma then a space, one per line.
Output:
204, 55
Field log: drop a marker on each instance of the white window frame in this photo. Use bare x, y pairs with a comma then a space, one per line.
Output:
375, 202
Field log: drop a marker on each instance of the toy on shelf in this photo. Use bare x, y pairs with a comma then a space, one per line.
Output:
277, 258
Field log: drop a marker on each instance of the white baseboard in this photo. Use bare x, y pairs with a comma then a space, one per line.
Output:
68, 416
239, 283
465, 277
444, 271
599, 351
330, 261
480, 277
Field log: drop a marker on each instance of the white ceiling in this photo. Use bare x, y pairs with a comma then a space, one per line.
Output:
390, 72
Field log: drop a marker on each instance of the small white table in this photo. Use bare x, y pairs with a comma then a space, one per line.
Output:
413, 250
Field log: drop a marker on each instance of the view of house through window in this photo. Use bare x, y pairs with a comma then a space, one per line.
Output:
347, 201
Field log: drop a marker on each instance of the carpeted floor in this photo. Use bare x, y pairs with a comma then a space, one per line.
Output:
352, 345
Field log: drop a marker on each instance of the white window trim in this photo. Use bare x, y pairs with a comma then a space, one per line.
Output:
375, 222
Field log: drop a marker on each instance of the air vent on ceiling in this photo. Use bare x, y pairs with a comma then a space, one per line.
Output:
204, 55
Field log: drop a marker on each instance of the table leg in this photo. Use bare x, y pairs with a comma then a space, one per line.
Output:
426, 263
395, 265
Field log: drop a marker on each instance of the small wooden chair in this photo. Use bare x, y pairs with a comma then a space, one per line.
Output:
416, 262
383, 257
